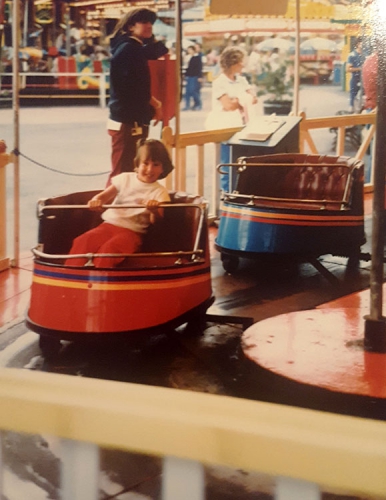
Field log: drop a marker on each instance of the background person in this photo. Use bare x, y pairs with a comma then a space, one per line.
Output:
232, 100
354, 66
131, 104
370, 88
193, 77
370, 81
123, 229
274, 60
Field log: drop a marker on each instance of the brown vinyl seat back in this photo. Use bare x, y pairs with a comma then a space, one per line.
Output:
309, 178
177, 229
59, 227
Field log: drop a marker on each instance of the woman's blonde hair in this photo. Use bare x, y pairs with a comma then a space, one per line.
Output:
231, 56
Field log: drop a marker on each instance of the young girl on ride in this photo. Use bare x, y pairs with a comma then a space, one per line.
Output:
123, 228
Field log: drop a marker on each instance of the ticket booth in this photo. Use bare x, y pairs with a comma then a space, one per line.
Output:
252, 141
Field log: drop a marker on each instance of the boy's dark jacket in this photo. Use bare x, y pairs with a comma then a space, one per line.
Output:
130, 79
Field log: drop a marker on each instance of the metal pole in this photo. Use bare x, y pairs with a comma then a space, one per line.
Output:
16, 133
375, 326
178, 96
297, 60
68, 31
25, 31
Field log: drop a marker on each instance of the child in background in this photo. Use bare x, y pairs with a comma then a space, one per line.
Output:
123, 228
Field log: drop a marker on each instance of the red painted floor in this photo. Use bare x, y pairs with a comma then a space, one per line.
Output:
14, 291
322, 347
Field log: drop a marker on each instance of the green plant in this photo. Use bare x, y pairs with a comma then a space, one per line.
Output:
276, 85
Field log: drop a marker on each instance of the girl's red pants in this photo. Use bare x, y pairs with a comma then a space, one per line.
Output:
105, 238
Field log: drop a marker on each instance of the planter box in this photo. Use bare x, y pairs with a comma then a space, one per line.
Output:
5, 102
277, 107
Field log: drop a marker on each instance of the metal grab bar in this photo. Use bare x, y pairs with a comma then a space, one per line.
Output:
90, 255
201, 206
243, 165
251, 197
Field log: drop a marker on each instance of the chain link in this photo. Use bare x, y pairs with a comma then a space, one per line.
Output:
18, 153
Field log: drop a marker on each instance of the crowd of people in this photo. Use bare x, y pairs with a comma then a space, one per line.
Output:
84, 45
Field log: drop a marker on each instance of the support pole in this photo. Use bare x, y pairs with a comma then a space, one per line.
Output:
178, 93
297, 60
16, 132
375, 326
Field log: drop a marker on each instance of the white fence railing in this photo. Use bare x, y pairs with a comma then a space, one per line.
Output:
84, 80
306, 451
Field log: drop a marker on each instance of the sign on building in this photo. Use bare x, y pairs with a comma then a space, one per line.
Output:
248, 7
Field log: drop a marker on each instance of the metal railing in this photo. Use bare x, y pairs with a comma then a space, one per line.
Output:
305, 450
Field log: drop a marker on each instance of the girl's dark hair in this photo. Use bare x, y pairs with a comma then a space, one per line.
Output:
156, 151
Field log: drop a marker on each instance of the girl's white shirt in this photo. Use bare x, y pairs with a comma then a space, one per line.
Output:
132, 191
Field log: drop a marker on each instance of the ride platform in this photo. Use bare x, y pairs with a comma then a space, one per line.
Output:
318, 358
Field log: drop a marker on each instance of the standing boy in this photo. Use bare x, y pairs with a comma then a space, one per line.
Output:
131, 104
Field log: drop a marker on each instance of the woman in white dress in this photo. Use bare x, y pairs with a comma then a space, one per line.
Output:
232, 99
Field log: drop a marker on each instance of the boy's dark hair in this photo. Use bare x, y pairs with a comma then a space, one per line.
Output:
156, 152
133, 16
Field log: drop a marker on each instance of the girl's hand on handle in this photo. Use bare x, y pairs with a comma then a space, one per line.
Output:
95, 204
152, 204
155, 212
102, 198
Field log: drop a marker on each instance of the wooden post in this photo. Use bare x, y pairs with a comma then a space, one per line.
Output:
16, 131
4, 260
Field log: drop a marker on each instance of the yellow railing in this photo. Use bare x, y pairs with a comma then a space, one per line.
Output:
340, 123
311, 447
178, 148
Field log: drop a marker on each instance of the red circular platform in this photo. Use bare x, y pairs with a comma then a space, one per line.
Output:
320, 347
